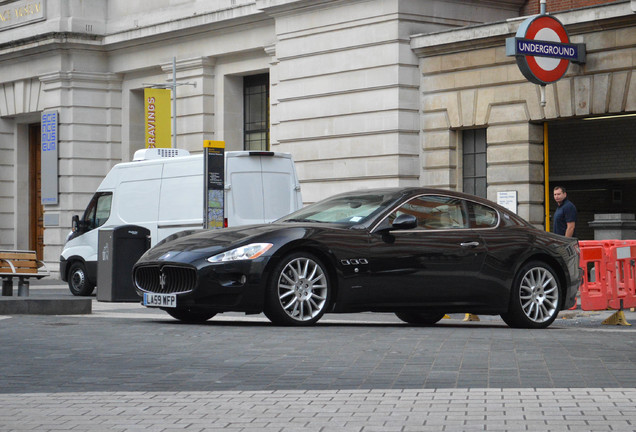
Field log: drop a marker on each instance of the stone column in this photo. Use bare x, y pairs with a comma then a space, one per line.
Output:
89, 143
7, 184
274, 118
438, 156
515, 163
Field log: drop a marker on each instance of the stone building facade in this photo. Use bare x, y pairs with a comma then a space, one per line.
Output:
363, 93
468, 82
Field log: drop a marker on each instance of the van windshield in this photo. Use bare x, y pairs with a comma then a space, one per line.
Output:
98, 210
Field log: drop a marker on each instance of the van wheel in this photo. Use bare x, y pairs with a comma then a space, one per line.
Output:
298, 292
78, 282
189, 316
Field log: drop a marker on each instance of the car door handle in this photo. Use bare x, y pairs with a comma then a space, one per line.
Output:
472, 244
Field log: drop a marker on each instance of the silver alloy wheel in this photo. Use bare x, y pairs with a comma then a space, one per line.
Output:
302, 289
539, 294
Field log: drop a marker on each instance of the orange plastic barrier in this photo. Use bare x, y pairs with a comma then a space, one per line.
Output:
621, 279
609, 277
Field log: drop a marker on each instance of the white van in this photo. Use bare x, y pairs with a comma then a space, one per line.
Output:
165, 195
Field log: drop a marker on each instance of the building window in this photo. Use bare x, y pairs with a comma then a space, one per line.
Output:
474, 162
256, 112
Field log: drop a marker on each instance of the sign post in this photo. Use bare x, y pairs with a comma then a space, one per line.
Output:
543, 52
214, 184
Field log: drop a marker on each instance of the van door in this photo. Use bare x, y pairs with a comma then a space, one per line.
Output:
281, 193
180, 198
244, 190
82, 244
260, 187
137, 203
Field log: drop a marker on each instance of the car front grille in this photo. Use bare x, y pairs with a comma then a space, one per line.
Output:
165, 279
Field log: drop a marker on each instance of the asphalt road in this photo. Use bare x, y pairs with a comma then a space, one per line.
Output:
125, 366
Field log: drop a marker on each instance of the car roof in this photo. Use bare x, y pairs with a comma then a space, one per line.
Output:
412, 191
403, 192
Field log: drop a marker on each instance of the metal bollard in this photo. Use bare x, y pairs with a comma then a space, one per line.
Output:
7, 287
23, 288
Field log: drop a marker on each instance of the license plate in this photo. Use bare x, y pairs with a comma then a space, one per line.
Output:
160, 300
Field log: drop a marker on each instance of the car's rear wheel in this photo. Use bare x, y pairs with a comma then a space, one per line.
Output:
420, 318
190, 316
535, 299
299, 290
78, 282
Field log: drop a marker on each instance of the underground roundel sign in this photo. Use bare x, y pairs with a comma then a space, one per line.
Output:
543, 49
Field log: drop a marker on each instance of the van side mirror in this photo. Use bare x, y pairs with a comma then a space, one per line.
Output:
75, 223
404, 221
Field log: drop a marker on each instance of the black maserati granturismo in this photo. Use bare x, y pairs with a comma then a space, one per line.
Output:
419, 253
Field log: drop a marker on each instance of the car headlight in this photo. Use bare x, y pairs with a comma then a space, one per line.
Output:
247, 252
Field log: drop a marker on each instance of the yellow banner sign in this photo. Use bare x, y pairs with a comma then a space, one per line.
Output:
157, 116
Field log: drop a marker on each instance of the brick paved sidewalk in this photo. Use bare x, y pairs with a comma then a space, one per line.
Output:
125, 368
334, 410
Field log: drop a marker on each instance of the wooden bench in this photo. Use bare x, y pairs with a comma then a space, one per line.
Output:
20, 264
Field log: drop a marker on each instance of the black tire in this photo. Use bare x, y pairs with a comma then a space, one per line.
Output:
190, 316
535, 298
78, 282
420, 318
299, 290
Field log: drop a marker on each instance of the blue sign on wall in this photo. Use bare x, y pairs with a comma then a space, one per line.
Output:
48, 166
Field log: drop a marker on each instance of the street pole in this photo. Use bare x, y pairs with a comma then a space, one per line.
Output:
174, 102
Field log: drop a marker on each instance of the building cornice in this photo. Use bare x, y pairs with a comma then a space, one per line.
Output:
278, 7
578, 21
211, 21
48, 43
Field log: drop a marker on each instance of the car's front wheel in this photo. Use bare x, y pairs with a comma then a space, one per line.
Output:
299, 290
78, 282
420, 318
535, 298
190, 316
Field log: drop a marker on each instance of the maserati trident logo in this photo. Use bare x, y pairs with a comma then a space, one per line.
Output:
162, 281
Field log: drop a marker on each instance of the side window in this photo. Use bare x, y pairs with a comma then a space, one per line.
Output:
103, 209
482, 216
435, 212
98, 210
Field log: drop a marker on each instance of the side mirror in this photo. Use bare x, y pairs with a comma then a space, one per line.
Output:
405, 221
75, 223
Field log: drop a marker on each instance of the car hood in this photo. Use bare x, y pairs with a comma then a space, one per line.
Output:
210, 242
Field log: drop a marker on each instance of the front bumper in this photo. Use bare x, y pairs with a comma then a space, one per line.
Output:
63, 265
224, 287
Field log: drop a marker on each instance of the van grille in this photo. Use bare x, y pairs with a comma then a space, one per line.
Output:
165, 279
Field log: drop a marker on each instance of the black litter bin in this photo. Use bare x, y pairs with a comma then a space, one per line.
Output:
118, 249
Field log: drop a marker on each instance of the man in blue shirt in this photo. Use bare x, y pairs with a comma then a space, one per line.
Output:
564, 220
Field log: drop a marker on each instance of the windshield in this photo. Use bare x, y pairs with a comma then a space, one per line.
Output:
343, 209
